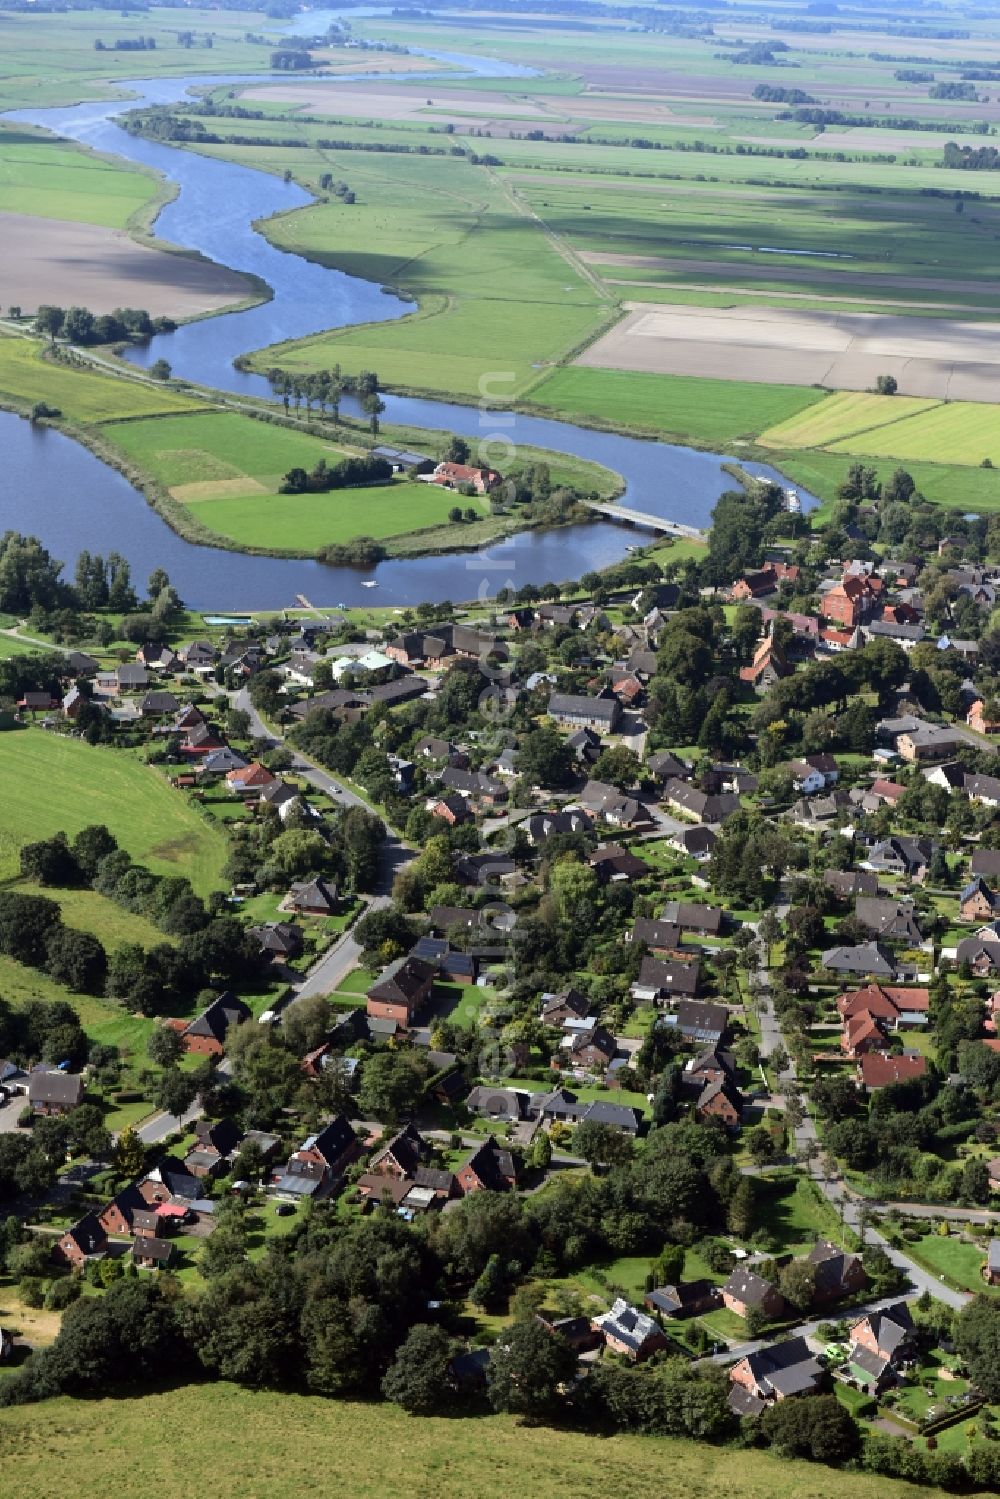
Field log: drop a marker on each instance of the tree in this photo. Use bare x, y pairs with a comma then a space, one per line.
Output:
541, 1151
176, 1093
529, 1370
49, 320
160, 369
391, 1085
977, 1339
797, 1283
491, 1285
130, 1153
418, 1379
602, 1144
886, 385
76, 959
307, 1023
619, 766
165, 1047
457, 451
816, 1426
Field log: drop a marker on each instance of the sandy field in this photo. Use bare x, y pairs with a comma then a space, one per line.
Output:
847, 281
84, 265
945, 359
361, 100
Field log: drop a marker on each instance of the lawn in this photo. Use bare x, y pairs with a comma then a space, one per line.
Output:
54, 180
299, 1437
704, 410
81, 395
797, 1216
103, 1021
957, 1263
955, 486
59, 784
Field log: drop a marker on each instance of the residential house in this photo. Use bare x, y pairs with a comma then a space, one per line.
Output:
982, 789
769, 665
453, 810
119, 1215
867, 958
490, 1168
151, 1253
51, 1091
701, 1023
776, 1373
696, 842
806, 781
847, 884
466, 476
86, 1240
980, 721
686, 1299
746, 1291
838, 1273
991, 1269
250, 780
280, 941
878, 1071
613, 864
216, 1143
633, 1334
658, 980
568, 1004
892, 920
981, 953
661, 937
722, 1100
986, 861
563, 1106
542, 826
592, 1050
318, 1163
880, 1343
703, 806
206, 1034
978, 902
613, 806
691, 916
401, 990
598, 713
904, 856
497, 1103
312, 898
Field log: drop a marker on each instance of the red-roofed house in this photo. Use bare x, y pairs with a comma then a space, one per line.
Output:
250, 779
457, 475
877, 1071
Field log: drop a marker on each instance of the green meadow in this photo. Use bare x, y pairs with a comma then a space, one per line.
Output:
81, 395
56, 784
226, 469
705, 410
51, 179
287, 1446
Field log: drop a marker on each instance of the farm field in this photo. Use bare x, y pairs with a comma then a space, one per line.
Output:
66, 784
81, 396
450, 1459
54, 180
706, 410
226, 469
765, 344
845, 415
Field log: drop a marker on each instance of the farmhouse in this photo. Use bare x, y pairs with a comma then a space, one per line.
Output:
599, 713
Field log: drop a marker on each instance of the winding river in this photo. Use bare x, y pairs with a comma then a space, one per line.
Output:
59, 491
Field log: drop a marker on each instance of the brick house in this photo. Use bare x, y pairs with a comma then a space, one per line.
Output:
876, 1071
151, 1253
777, 1373
206, 1034
631, 1333
85, 1241
977, 901
466, 475
744, 1291
838, 1273
720, 1100
319, 1161
401, 990
490, 1168
119, 1215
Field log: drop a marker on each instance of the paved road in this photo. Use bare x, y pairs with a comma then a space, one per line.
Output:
345, 954
848, 1206
807, 1329
160, 1125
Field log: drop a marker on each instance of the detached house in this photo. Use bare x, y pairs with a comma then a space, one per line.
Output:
745, 1291
85, 1241
977, 901
318, 1163
401, 990
776, 1373
602, 714
631, 1333
206, 1034
53, 1092
490, 1168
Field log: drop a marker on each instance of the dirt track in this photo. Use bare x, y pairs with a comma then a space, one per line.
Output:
845, 351
47, 260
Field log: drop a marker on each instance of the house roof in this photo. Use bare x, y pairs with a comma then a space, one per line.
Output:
627, 1325
49, 1085
879, 1071
746, 1286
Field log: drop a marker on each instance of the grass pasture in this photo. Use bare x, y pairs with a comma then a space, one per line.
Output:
842, 416
51, 179
705, 410
81, 395
65, 784
226, 469
300, 1437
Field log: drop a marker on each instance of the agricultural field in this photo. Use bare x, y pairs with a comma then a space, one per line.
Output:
82, 396
842, 416
226, 469
52, 179
719, 411
66, 784
301, 1436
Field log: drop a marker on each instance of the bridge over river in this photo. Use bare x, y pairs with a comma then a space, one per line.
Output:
644, 521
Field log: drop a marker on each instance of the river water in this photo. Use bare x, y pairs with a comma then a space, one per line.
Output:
216, 206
